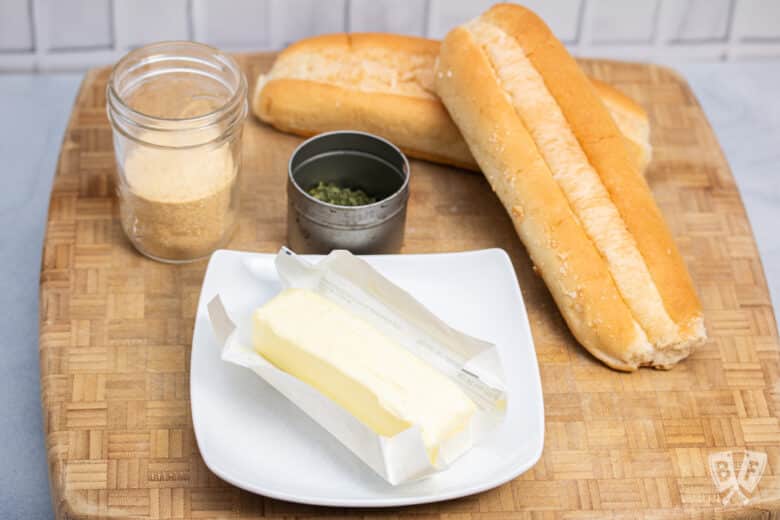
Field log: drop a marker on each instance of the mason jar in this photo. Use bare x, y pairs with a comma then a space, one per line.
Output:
177, 111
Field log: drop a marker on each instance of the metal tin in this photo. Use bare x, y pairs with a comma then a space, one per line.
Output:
350, 159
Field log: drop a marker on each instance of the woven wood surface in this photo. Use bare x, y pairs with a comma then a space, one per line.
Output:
116, 331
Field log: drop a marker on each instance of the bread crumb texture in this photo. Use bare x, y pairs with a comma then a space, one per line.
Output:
179, 203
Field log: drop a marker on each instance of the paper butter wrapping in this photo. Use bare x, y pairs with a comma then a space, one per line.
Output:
352, 283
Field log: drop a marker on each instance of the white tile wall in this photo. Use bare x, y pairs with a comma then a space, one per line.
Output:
445, 14
144, 21
691, 21
618, 21
757, 20
78, 24
76, 34
15, 26
563, 16
385, 16
295, 19
232, 23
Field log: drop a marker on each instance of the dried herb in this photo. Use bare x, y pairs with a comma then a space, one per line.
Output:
332, 194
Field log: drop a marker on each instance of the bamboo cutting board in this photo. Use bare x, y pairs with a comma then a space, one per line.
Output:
116, 331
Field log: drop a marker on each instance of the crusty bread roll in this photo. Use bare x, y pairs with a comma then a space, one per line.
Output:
383, 84
631, 120
555, 157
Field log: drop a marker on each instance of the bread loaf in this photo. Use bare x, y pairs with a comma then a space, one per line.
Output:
383, 84
557, 160
631, 119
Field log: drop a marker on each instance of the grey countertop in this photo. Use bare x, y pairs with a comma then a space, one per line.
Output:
739, 99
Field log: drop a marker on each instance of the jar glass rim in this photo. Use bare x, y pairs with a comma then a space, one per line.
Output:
116, 100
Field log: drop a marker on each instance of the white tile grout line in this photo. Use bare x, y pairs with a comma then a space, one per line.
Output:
119, 27
578, 29
190, 27
268, 43
731, 33
660, 16
31, 23
426, 18
660, 48
585, 29
196, 21
40, 21
709, 52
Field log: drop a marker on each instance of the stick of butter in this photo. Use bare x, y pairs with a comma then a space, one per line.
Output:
383, 385
403, 391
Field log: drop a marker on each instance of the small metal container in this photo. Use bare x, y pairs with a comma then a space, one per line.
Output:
354, 160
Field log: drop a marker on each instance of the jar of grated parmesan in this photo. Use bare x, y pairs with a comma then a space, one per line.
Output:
177, 111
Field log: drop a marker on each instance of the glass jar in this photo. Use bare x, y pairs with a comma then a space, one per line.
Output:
177, 111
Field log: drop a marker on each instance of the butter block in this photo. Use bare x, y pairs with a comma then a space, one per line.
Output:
367, 373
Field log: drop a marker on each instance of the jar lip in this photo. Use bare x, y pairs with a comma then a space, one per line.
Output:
114, 98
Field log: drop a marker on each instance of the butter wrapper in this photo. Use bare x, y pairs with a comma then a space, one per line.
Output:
352, 283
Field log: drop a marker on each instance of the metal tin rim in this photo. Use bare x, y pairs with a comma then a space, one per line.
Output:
400, 192
353, 227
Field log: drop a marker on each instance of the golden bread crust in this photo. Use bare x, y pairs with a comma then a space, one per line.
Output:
573, 269
603, 144
290, 105
631, 119
540, 132
387, 57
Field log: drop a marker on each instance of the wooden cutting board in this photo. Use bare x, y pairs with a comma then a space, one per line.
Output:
116, 331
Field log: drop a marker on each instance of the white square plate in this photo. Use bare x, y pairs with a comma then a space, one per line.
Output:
254, 438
